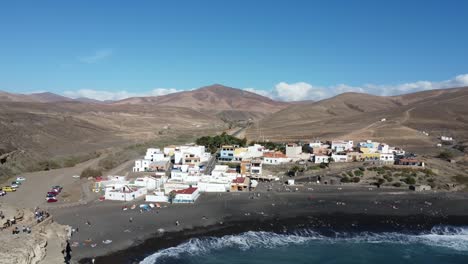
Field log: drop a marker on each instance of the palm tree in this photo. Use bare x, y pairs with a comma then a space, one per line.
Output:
172, 196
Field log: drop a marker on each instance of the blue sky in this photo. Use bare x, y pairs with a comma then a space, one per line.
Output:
288, 50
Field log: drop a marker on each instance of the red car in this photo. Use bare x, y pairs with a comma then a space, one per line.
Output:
52, 200
52, 192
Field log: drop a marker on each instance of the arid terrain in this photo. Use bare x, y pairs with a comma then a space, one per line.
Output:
358, 116
41, 126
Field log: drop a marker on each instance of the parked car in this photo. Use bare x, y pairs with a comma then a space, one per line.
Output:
8, 189
53, 192
58, 188
20, 179
16, 182
51, 200
50, 195
2, 193
14, 185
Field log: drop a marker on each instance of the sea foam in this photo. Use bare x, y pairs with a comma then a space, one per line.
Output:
455, 238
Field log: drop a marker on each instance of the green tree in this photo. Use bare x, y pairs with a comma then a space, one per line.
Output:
172, 196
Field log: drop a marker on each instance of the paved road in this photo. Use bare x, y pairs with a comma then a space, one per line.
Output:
211, 164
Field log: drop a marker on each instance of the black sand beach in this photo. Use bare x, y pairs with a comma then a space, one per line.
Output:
345, 209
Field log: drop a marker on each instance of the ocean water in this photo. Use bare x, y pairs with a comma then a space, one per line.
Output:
442, 244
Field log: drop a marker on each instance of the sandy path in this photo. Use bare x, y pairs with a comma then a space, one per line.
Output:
33, 191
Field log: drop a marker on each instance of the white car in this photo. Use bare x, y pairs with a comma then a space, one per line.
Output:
2, 193
14, 185
20, 179
76, 176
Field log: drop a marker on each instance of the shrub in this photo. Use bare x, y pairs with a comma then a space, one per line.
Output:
397, 184
358, 173
323, 165
356, 179
381, 181
350, 174
445, 154
91, 172
362, 168
345, 179
410, 180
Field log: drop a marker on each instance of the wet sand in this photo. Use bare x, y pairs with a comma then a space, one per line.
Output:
230, 213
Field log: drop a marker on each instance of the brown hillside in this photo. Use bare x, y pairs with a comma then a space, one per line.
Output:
215, 97
357, 116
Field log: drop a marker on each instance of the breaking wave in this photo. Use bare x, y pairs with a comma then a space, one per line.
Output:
455, 238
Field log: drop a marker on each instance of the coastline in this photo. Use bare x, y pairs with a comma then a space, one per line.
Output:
326, 224
350, 209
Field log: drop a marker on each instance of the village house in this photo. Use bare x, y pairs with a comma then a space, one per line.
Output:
191, 159
339, 157
387, 158
214, 184
160, 166
157, 197
275, 158
155, 154
318, 159
342, 145
226, 153
177, 184
150, 183
293, 150
141, 165
256, 167
315, 144
409, 162
180, 153
189, 195
240, 184
354, 156
124, 193
251, 152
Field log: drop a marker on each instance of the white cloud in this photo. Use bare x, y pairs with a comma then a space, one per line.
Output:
305, 91
103, 95
259, 92
98, 56
163, 91
293, 91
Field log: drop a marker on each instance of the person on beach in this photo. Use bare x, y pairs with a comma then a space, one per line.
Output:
177, 223
130, 219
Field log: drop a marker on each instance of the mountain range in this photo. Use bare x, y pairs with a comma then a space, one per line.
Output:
50, 125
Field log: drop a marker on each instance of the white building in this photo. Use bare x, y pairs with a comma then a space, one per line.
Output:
211, 184
256, 167
342, 145
275, 158
189, 195
320, 159
124, 193
175, 185
384, 148
141, 165
340, 157
293, 150
315, 144
387, 157
157, 197
155, 154
150, 183
445, 138
192, 149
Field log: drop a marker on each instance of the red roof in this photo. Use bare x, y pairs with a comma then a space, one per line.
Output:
274, 155
239, 180
187, 191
